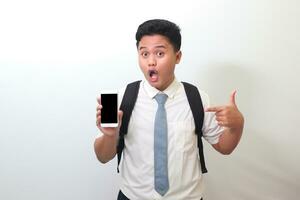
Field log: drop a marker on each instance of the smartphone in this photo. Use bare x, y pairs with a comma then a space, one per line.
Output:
109, 111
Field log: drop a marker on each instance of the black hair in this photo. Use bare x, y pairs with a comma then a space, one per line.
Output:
161, 27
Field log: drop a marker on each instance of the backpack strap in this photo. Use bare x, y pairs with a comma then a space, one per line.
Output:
127, 106
196, 106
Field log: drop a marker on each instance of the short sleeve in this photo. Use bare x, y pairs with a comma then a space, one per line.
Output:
210, 129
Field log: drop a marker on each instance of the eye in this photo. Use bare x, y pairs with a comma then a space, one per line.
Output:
160, 54
145, 54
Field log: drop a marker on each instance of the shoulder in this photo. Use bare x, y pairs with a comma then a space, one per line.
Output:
204, 98
122, 90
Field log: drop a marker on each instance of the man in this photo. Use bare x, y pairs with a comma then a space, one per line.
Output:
158, 46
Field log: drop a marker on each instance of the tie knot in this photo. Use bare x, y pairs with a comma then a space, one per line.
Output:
161, 98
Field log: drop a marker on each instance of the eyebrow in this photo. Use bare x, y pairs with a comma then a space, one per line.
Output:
158, 46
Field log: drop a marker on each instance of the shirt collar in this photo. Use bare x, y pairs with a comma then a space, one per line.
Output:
170, 90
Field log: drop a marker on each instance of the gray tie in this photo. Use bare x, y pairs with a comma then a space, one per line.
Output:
161, 181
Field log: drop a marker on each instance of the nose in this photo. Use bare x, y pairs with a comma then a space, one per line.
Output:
151, 61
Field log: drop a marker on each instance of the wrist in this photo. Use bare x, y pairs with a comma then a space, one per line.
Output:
235, 130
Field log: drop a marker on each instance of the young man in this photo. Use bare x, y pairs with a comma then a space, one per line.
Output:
180, 175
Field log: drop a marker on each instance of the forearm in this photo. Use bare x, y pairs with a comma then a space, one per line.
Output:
106, 147
228, 140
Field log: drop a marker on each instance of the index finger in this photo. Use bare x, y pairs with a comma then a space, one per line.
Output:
99, 100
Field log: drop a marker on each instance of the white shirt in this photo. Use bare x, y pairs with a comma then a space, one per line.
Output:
137, 166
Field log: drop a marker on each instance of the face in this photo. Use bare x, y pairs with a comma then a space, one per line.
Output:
157, 60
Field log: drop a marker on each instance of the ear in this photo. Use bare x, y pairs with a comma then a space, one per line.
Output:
178, 56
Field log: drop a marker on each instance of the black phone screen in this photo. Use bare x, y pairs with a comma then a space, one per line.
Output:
109, 111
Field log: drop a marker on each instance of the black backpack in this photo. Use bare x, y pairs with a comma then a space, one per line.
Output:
196, 106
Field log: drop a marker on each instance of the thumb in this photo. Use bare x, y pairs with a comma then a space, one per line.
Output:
232, 97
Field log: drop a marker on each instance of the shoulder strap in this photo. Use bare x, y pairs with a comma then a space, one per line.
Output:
196, 106
127, 106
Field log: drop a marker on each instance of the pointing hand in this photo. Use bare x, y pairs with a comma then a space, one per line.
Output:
228, 115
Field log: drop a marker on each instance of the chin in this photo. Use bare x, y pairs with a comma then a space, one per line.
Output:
156, 85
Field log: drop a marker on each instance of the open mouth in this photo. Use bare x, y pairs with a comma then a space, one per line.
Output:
153, 74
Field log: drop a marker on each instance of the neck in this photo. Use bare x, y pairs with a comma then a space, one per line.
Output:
168, 83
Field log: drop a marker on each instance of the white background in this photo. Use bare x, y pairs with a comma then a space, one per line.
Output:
55, 57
